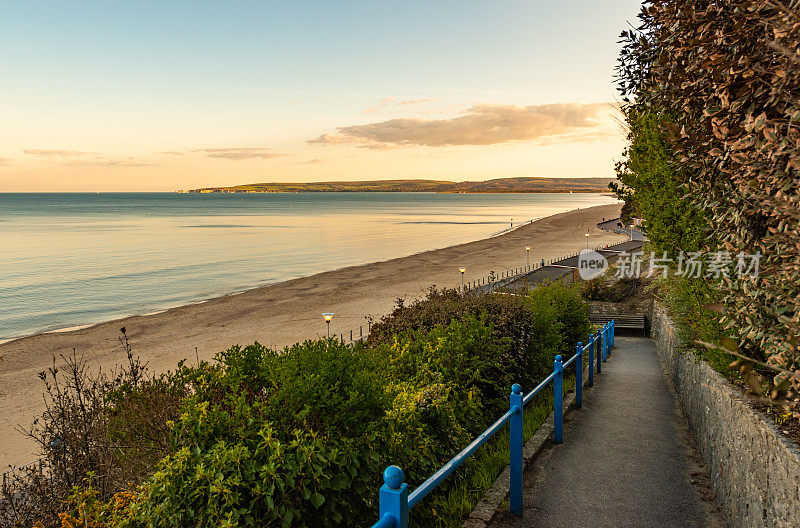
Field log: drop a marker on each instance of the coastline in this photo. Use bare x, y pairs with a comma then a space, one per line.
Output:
276, 315
231, 293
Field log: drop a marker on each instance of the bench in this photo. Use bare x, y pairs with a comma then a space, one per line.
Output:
623, 322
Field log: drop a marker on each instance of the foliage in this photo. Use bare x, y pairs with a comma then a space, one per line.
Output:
275, 439
727, 75
570, 311
533, 323
685, 299
654, 187
604, 289
88, 510
114, 428
300, 437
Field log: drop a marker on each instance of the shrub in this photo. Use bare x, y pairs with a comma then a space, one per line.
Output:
448, 384
561, 318
274, 439
533, 324
88, 510
110, 428
605, 289
300, 437
721, 79
653, 186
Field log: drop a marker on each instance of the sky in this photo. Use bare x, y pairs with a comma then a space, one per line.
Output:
162, 96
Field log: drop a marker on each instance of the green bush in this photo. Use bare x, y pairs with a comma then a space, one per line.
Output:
685, 299
534, 324
449, 384
300, 437
287, 439
655, 188
710, 91
561, 319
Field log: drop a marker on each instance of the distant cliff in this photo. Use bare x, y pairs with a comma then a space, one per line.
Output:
501, 185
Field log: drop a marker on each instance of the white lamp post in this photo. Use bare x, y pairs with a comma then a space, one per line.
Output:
587, 241
328, 316
528, 254
462, 270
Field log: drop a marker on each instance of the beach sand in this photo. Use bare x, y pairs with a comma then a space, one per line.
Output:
276, 315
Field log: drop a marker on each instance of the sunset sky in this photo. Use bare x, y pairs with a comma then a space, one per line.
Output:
161, 96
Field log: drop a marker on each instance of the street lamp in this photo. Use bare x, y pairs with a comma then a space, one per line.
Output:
328, 316
462, 270
528, 254
587, 241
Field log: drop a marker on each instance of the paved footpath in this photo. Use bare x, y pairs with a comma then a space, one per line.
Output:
627, 458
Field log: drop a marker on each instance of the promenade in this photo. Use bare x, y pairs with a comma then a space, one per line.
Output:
626, 460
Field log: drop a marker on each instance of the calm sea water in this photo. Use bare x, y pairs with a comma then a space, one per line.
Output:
76, 259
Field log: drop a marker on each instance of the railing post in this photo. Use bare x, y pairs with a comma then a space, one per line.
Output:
579, 377
558, 401
590, 381
515, 448
394, 497
599, 351
605, 342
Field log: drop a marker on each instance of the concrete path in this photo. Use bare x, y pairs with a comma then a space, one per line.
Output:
627, 458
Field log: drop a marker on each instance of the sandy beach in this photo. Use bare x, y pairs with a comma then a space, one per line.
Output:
276, 315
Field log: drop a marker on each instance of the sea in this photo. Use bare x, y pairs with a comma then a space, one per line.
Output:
71, 260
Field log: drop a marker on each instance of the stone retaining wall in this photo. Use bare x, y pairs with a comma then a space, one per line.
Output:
754, 469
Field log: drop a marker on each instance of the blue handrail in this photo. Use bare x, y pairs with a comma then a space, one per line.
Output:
395, 501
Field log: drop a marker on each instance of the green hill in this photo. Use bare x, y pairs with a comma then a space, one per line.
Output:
500, 185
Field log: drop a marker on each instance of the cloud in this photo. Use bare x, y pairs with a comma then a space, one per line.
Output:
5, 161
240, 153
105, 162
331, 139
55, 153
414, 101
308, 162
383, 102
392, 101
481, 125
79, 158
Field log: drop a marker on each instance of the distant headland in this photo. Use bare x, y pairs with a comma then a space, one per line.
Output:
500, 185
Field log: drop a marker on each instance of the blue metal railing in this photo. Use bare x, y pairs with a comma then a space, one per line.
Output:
395, 501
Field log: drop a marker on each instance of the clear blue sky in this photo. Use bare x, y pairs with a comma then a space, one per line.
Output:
94, 91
